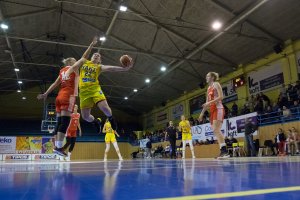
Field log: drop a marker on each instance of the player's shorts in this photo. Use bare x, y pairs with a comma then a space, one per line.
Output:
216, 114
65, 102
89, 99
186, 136
110, 137
71, 133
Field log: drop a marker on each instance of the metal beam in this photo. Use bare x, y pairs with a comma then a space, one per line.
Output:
211, 39
141, 52
228, 10
31, 14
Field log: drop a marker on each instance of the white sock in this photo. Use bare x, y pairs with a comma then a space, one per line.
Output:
59, 144
69, 154
55, 143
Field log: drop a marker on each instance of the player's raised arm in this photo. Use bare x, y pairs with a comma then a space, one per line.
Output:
50, 89
80, 62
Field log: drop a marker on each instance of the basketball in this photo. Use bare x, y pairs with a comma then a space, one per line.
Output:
125, 60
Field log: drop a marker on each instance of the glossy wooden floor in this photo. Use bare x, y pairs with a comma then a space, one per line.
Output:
244, 178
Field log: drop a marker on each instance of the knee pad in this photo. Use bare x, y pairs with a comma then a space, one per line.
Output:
65, 120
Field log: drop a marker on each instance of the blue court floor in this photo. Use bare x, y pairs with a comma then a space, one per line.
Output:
257, 178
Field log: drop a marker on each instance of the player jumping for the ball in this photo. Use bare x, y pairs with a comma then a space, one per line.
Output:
90, 92
214, 103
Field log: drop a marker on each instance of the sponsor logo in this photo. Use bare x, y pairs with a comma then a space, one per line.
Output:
253, 86
64, 76
5, 140
45, 157
17, 157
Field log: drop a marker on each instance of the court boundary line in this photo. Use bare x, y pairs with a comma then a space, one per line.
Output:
86, 169
236, 194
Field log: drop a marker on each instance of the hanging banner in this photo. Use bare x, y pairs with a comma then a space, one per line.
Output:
29, 145
177, 111
266, 78
7, 145
236, 125
204, 131
196, 104
229, 92
162, 117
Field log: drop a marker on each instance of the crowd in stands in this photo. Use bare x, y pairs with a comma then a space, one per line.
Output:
285, 143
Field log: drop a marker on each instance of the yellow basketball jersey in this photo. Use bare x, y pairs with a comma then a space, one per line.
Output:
89, 73
185, 128
108, 129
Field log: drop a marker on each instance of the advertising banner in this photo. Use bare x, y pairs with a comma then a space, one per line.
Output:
7, 145
16, 157
162, 117
29, 145
229, 92
266, 78
204, 131
177, 111
236, 125
44, 157
47, 145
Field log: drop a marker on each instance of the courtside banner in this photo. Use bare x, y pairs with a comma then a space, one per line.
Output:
29, 145
236, 125
43, 157
266, 78
204, 131
16, 157
7, 145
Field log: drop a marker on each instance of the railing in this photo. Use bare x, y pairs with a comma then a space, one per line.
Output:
278, 117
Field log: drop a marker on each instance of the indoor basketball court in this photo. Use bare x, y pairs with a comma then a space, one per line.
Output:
149, 99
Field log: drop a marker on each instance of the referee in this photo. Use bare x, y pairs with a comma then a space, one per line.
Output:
171, 133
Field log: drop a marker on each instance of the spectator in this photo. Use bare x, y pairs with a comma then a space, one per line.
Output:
265, 99
291, 141
192, 121
229, 145
297, 136
259, 106
249, 130
292, 93
297, 86
280, 140
295, 108
282, 101
226, 109
245, 110
250, 103
275, 107
268, 114
234, 109
286, 113
283, 90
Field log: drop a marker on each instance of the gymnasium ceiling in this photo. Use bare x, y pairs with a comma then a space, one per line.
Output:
173, 33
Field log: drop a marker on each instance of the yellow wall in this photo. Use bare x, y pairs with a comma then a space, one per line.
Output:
289, 66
